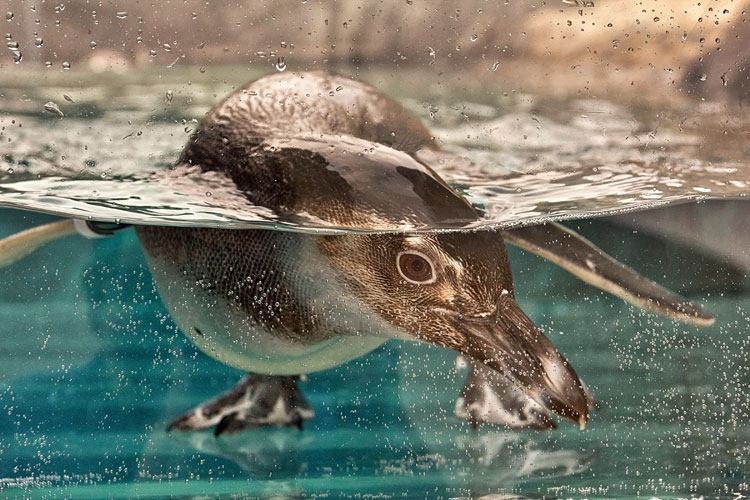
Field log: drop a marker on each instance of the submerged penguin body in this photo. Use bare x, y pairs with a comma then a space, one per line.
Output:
326, 148
274, 302
261, 301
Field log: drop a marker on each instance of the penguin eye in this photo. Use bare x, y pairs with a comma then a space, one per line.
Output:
415, 268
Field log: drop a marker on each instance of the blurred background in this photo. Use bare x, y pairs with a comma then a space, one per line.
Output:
695, 48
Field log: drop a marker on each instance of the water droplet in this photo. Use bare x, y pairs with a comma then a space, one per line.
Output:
68, 98
202, 69
209, 193
48, 64
92, 44
38, 41
12, 45
703, 77
121, 14
167, 47
474, 37
409, 2
66, 65
10, 170
283, 45
17, 56
169, 96
339, 88
657, 19
194, 15
139, 39
152, 52
280, 64
684, 35
53, 108
496, 65
9, 16
724, 80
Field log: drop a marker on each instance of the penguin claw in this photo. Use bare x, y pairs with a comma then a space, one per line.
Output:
256, 401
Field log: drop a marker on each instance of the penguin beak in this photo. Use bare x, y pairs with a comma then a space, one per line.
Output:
511, 344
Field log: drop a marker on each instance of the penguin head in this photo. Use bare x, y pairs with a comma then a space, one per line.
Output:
455, 290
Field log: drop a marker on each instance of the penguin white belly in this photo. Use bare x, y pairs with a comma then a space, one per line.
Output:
232, 337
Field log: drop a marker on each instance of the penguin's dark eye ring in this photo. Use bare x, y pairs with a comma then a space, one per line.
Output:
415, 267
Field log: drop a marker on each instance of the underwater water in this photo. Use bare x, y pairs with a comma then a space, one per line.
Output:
92, 368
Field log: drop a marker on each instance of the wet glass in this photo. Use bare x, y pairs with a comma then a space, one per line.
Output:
627, 122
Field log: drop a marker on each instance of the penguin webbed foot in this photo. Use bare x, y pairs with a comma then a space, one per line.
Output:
488, 397
256, 401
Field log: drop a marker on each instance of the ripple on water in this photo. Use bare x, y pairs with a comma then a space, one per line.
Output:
518, 168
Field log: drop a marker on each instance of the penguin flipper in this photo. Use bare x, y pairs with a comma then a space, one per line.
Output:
582, 258
256, 401
19, 245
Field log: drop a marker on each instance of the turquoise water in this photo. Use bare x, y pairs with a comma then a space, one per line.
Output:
93, 369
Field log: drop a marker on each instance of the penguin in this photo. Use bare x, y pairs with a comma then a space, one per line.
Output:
279, 304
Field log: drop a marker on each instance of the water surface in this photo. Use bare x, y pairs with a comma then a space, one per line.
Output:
519, 158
